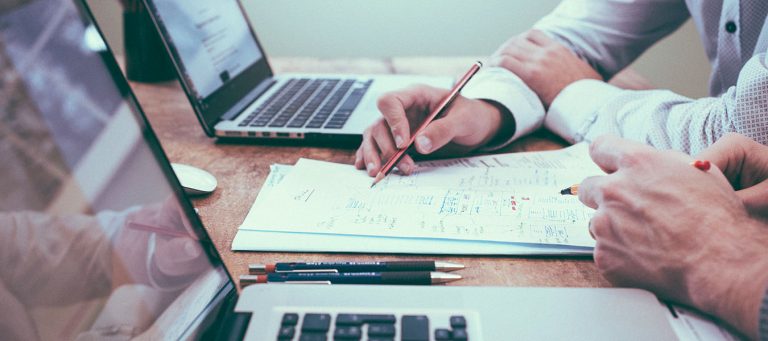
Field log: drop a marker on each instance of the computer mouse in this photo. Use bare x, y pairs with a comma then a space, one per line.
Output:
195, 181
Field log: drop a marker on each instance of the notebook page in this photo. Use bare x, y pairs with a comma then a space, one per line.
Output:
508, 198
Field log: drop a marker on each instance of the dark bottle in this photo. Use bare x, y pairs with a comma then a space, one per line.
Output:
146, 59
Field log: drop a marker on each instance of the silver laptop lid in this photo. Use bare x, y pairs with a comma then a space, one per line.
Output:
96, 237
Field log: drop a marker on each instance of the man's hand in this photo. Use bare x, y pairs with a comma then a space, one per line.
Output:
545, 65
680, 232
466, 125
745, 163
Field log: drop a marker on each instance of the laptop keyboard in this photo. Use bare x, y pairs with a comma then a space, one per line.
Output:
370, 327
309, 103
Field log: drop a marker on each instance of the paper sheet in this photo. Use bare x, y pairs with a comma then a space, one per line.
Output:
502, 198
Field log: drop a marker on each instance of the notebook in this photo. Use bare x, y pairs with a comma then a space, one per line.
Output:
494, 204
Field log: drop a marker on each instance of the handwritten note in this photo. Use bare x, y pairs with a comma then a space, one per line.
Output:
508, 198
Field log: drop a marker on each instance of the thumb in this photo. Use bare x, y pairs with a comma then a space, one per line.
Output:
437, 134
755, 199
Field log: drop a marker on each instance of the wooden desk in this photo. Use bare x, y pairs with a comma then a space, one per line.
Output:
241, 170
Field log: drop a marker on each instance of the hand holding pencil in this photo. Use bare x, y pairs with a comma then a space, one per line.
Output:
465, 125
436, 111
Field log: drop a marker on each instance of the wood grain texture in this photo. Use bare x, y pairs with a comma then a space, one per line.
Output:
242, 168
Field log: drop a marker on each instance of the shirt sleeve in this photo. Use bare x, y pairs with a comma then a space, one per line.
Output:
587, 109
611, 34
497, 84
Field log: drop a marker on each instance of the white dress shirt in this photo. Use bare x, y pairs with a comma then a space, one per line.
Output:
611, 34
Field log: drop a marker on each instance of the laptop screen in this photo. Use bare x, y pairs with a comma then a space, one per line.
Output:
216, 54
96, 239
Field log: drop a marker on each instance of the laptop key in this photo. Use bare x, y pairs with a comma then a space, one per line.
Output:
443, 334
414, 328
380, 338
378, 329
347, 333
290, 319
286, 333
358, 319
316, 323
460, 335
313, 337
458, 321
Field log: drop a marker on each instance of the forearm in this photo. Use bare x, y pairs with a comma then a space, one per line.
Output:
610, 34
741, 308
732, 282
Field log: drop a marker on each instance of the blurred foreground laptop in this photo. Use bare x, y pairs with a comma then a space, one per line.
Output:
235, 93
98, 241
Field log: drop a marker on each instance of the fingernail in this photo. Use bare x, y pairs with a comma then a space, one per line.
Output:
399, 141
424, 143
405, 168
370, 166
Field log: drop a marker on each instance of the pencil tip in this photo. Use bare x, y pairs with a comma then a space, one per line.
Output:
377, 179
566, 191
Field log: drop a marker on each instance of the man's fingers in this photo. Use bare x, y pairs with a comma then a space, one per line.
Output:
727, 154
438, 133
384, 142
394, 107
359, 161
406, 165
755, 199
742, 160
538, 38
371, 158
611, 152
590, 191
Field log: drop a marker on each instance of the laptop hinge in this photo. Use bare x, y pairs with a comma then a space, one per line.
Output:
248, 99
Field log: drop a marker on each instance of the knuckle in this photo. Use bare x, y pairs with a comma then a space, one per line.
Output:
506, 61
600, 258
634, 158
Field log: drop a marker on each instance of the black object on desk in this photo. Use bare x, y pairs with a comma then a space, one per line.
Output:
402, 277
419, 265
146, 59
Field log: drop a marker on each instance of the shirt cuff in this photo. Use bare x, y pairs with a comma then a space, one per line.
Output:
505, 88
575, 109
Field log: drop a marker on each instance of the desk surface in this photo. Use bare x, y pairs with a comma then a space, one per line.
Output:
242, 169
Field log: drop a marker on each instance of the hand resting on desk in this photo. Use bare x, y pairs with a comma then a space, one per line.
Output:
681, 232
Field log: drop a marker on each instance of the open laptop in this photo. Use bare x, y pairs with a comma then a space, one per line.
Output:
99, 241
234, 92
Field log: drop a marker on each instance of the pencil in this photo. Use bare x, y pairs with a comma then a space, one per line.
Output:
387, 168
573, 190
159, 230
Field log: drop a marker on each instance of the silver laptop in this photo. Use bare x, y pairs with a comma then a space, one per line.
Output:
99, 241
227, 78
